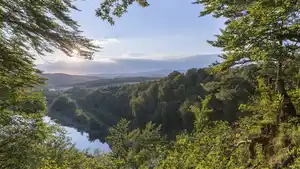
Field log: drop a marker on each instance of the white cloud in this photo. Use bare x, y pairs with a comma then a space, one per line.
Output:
105, 42
154, 48
159, 48
127, 65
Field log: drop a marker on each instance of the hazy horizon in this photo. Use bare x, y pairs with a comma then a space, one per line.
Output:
127, 65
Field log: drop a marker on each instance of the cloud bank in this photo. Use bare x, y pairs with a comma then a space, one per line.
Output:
127, 65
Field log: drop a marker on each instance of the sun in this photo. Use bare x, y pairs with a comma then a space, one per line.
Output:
75, 52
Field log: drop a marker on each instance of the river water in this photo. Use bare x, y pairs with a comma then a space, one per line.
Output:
81, 141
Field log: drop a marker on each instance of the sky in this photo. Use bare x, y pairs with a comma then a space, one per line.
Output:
166, 30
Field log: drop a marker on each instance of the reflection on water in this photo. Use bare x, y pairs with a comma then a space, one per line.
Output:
81, 141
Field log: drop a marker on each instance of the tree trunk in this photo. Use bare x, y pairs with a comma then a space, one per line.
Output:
287, 108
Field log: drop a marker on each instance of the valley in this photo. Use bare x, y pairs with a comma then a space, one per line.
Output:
166, 101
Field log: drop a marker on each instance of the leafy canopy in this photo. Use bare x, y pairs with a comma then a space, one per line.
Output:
30, 29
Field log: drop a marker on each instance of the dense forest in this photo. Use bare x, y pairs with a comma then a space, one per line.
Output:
166, 101
240, 113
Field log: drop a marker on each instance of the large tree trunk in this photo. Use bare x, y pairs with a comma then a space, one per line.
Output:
287, 108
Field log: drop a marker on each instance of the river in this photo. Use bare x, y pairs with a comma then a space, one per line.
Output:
81, 141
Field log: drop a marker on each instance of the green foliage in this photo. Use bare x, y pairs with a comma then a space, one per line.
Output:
244, 44
116, 8
42, 25
137, 148
214, 144
219, 117
28, 143
206, 149
272, 45
30, 29
166, 101
202, 115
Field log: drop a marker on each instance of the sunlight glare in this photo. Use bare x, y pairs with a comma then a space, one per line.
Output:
75, 52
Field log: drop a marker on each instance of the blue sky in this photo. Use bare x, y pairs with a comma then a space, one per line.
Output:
167, 29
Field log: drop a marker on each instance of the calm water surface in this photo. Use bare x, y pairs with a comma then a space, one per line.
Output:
81, 141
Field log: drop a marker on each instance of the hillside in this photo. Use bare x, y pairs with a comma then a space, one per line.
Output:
60, 80
66, 80
165, 101
114, 81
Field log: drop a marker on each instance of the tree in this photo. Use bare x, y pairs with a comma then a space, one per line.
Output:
139, 148
274, 44
28, 143
42, 25
29, 29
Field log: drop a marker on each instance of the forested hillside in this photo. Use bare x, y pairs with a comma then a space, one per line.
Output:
114, 81
166, 101
61, 81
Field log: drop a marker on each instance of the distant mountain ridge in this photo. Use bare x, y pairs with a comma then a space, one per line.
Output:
155, 73
64, 80
61, 80
126, 66
119, 68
